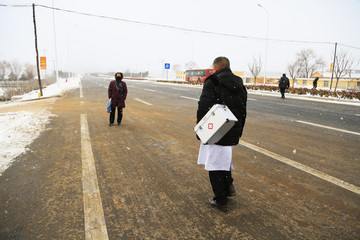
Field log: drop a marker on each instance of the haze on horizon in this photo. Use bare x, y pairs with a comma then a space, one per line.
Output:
95, 44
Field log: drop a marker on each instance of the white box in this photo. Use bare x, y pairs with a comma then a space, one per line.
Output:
215, 124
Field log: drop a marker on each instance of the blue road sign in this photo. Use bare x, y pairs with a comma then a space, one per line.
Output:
167, 65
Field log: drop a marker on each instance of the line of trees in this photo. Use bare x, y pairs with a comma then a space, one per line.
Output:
344, 63
307, 63
128, 73
188, 65
13, 71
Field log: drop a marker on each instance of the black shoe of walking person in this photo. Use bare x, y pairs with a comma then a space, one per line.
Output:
231, 191
213, 202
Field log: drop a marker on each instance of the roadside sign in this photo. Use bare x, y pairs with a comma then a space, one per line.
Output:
167, 65
43, 63
331, 67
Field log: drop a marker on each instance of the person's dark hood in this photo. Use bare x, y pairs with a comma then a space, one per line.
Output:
118, 78
228, 81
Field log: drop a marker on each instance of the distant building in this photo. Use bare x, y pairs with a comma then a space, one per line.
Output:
316, 74
180, 75
240, 74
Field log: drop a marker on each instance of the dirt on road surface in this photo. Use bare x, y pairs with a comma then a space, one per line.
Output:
150, 184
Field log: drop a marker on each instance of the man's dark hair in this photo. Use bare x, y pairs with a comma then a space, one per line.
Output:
222, 62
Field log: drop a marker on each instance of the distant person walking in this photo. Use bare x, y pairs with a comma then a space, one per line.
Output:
222, 87
283, 85
315, 82
117, 92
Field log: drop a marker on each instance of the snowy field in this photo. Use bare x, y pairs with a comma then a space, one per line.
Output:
18, 129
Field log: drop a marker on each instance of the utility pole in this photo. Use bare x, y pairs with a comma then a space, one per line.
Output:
333, 68
37, 52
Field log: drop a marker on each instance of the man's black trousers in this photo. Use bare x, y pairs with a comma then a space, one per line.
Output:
282, 91
220, 182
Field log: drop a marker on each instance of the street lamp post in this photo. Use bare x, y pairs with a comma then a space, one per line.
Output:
267, 38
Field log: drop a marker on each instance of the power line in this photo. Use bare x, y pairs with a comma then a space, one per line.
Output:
16, 5
348, 46
176, 28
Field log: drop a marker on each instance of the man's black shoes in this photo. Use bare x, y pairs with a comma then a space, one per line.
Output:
217, 205
231, 191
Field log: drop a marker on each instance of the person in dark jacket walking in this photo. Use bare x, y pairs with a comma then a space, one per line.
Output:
283, 85
222, 87
117, 92
315, 82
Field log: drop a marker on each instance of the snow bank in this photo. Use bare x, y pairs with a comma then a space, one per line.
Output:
19, 129
56, 89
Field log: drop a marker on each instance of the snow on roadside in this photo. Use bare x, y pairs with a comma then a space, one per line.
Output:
56, 89
19, 129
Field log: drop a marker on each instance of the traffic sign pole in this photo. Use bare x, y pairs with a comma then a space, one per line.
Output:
167, 67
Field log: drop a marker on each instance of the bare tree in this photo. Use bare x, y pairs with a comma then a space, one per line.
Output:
176, 68
255, 67
16, 69
29, 72
190, 65
310, 63
343, 65
4, 66
294, 71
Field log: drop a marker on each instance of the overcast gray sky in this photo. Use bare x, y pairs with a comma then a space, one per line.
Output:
89, 44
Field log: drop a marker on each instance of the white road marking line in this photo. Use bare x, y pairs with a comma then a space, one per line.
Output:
331, 128
81, 91
143, 101
357, 115
150, 90
195, 99
95, 225
252, 99
309, 170
181, 89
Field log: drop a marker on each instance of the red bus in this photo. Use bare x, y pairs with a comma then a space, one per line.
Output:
198, 75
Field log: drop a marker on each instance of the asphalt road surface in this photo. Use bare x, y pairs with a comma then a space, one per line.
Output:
297, 171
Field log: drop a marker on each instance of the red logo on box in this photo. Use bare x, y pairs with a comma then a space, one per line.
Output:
210, 126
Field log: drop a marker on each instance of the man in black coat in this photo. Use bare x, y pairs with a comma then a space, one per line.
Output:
222, 87
315, 82
283, 85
